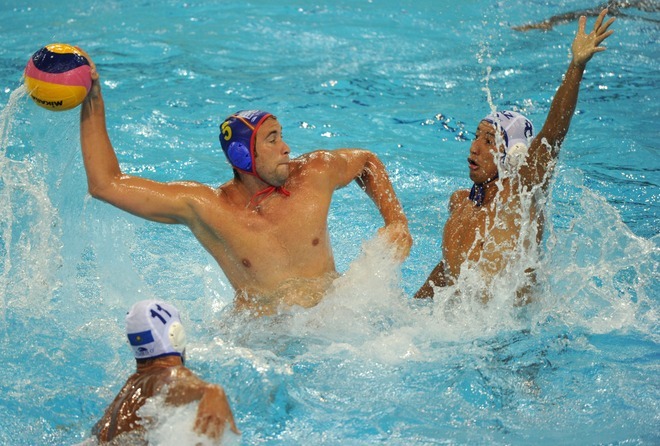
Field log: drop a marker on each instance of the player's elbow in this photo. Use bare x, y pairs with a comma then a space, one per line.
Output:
372, 158
96, 191
216, 391
102, 190
372, 165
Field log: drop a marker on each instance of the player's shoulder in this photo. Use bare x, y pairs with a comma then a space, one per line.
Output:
458, 198
320, 156
317, 161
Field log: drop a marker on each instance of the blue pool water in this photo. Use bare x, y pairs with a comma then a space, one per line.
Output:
408, 80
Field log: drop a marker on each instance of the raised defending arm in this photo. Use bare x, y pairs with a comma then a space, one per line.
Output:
545, 146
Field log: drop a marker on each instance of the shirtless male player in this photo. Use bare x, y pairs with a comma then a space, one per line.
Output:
511, 169
266, 227
158, 341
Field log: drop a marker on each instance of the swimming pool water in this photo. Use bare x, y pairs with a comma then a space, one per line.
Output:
408, 80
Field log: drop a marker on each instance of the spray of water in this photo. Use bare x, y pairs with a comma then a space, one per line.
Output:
172, 426
29, 220
598, 273
6, 122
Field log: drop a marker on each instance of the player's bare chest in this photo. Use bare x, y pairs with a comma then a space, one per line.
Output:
466, 227
277, 217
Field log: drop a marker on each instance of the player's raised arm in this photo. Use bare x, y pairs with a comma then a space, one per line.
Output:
545, 146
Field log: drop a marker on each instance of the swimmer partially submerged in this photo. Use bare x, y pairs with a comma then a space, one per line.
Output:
492, 227
158, 341
266, 227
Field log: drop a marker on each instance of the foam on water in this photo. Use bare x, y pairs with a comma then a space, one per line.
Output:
600, 274
171, 426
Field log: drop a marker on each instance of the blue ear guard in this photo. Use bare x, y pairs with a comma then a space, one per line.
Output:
239, 156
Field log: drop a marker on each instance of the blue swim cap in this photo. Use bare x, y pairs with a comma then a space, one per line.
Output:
237, 137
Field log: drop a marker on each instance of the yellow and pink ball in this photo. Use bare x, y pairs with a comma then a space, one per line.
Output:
57, 77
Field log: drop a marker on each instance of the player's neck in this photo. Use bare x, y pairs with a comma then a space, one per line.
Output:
491, 188
162, 362
484, 193
254, 190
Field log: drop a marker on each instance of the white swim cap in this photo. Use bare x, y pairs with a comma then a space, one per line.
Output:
517, 132
516, 129
154, 329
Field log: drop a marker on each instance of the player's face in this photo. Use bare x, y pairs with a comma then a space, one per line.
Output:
271, 153
484, 153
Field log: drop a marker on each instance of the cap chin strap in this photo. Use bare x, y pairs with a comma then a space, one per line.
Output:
267, 192
478, 191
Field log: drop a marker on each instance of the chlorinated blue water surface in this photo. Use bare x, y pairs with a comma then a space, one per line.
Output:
407, 80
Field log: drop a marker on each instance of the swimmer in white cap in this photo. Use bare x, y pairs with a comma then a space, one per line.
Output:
506, 161
158, 341
267, 228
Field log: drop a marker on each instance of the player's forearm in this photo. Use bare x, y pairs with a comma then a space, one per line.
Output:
563, 106
98, 154
377, 185
436, 279
391, 210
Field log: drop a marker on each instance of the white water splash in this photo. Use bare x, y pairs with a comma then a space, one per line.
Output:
598, 272
173, 425
29, 221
